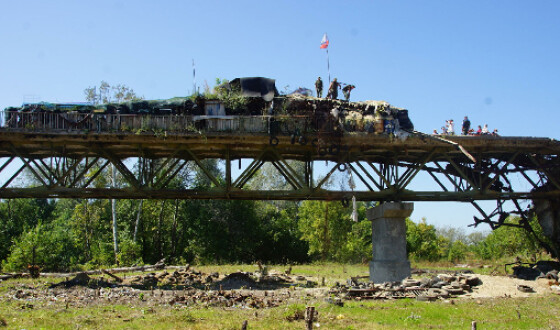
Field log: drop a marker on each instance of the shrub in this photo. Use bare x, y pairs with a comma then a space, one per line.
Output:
50, 247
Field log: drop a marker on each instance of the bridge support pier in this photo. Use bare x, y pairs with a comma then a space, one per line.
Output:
390, 262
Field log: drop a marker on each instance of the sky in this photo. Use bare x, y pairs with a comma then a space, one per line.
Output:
495, 61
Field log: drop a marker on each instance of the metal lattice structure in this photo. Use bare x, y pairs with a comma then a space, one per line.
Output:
67, 163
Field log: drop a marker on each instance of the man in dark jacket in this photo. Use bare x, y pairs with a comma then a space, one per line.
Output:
319, 87
466, 125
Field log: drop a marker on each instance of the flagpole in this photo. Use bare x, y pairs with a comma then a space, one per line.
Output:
325, 44
328, 65
194, 78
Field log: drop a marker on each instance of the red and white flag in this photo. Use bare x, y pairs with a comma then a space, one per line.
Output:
324, 41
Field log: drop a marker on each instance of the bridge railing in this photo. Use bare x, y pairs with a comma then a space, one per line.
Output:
138, 123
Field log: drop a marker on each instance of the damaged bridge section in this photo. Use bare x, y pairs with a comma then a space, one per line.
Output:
307, 141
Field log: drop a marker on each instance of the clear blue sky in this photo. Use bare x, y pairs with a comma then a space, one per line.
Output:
495, 61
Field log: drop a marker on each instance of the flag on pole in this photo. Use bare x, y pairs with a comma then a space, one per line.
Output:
324, 41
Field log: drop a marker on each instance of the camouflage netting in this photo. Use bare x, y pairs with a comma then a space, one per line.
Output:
353, 115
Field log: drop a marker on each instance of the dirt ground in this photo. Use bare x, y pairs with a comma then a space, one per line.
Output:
507, 287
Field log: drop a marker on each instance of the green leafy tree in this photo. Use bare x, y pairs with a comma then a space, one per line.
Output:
507, 241
457, 251
20, 215
279, 241
358, 244
325, 226
422, 241
50, 246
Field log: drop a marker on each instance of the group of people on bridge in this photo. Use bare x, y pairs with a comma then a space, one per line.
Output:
334, 86
449, 129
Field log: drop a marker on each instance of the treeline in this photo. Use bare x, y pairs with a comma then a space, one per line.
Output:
62, 235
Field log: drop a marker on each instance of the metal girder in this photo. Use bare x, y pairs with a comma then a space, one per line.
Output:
417, 168
497, 172
68, 166
301, 194
124, 171
78, 168
542, 168
461, 173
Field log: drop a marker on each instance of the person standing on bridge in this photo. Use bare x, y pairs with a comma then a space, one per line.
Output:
319, 87
346, 91
466, 125
333, 89
451, 127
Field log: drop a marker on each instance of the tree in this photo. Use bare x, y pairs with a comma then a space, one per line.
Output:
50, 246
422, 241
20, 215
508, 241
325, 226
107, 93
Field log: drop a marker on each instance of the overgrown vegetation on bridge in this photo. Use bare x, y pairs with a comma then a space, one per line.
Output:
68, 234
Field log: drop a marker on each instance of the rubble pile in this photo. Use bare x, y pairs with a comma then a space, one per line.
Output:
541, 269
440, 286
183, 286
184, 277
230, 298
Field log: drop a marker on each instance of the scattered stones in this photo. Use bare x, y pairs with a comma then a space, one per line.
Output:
337, 301
424, 289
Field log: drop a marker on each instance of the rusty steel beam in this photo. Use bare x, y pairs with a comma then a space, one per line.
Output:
235, 194
393, 165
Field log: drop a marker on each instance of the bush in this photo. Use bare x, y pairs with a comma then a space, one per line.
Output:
457, 251
102, 254
507, 241
422, 242
130, 253
48, 246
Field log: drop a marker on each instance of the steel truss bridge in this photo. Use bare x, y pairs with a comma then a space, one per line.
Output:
66, 161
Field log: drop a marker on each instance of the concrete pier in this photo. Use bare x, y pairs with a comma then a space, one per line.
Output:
390, 262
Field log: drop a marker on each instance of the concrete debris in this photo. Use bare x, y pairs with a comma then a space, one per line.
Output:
424, 289
182, 286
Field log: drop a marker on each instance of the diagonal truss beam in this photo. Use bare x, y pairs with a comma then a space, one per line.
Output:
125, 172
28, 165
497, 172
461, 173
418, 167
202, 167
353, 169
541, 168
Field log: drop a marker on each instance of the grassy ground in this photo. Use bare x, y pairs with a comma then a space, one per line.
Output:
521, 313
529, 313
